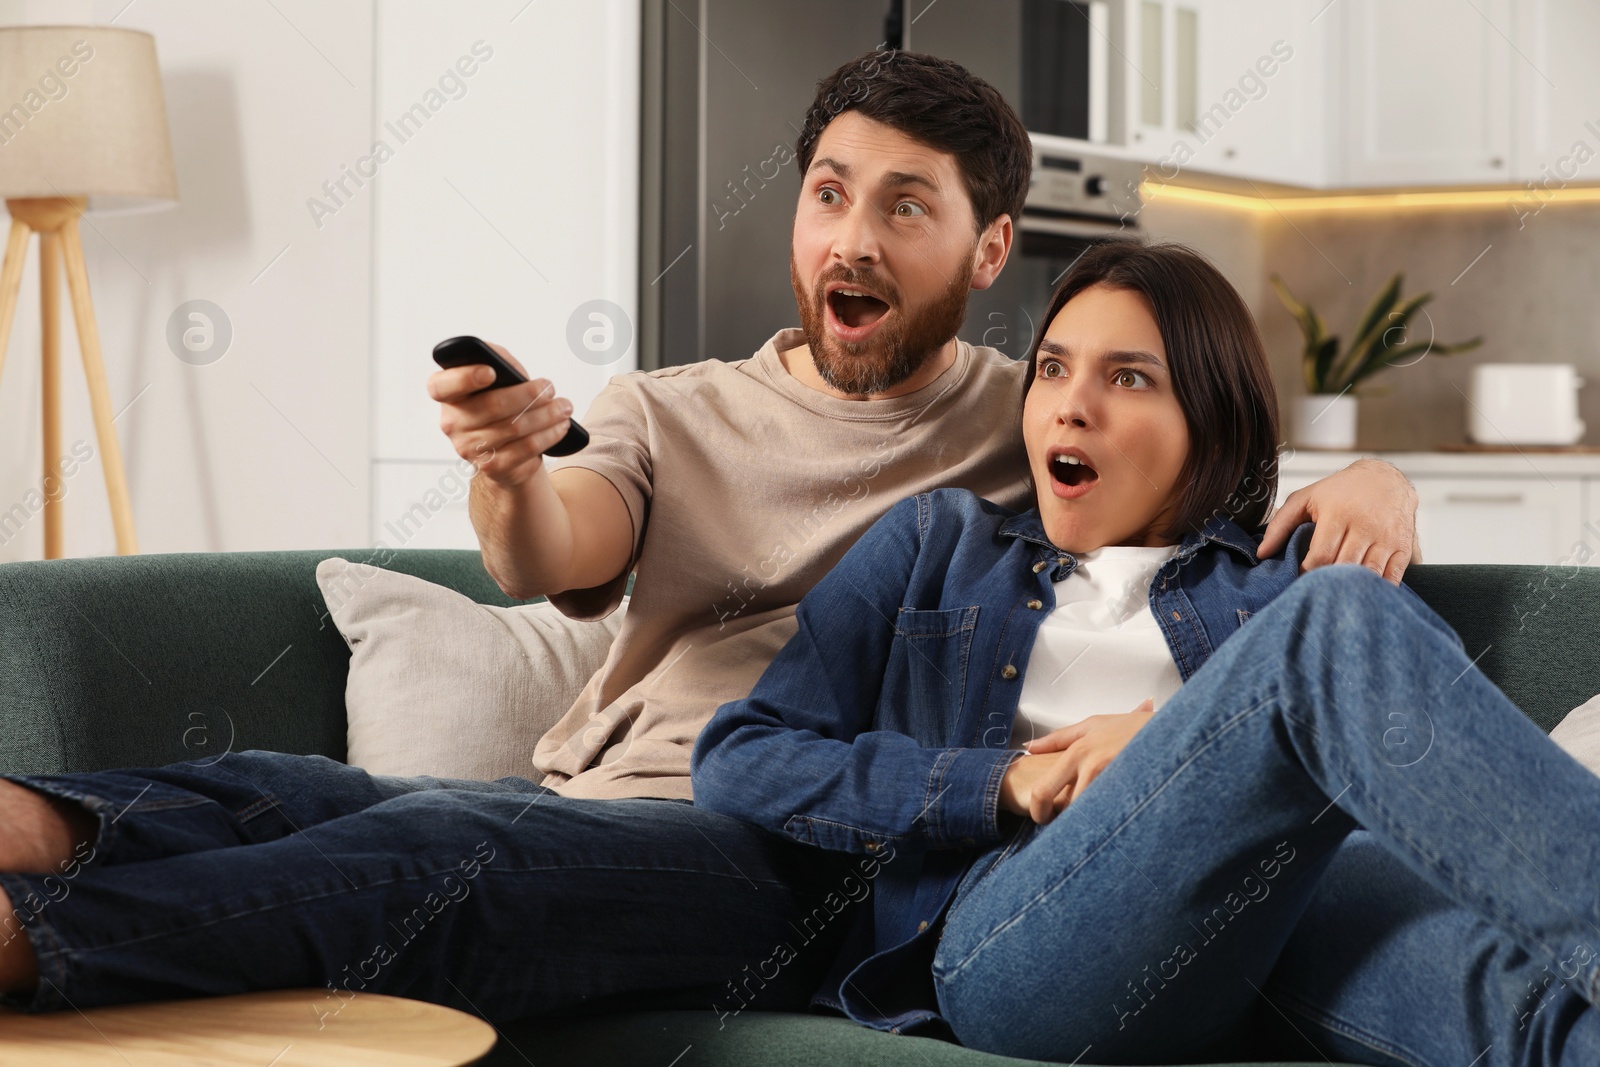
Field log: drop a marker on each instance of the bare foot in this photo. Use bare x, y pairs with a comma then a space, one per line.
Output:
19, 969
38, 833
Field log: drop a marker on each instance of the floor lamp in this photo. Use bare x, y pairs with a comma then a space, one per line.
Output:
87, 131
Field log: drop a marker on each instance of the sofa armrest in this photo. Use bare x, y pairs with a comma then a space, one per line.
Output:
140, 661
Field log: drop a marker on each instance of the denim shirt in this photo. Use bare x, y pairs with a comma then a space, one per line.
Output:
882, 726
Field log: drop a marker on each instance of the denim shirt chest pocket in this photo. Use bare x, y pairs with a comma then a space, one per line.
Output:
925, 680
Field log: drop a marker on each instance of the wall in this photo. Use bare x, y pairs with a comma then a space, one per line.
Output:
1531, 296
505, 215
313, 430
267, 446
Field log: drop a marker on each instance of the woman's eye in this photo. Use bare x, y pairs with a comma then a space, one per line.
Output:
907, 210
828, 196
1130, 374
1044, 371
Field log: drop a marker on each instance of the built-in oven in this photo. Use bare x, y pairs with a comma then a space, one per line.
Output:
1074, 200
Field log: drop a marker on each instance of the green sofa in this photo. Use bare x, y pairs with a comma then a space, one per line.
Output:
145, 660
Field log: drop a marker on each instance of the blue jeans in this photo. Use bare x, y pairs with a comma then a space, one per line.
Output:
1338, 838
263, 870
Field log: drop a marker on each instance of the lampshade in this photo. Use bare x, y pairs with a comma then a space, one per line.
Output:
82, 114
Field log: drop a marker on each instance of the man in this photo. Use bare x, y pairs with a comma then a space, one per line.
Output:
731, 488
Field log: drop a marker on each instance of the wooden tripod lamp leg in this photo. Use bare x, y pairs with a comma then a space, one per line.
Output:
50, 385
10, 284
99, 394
11, 279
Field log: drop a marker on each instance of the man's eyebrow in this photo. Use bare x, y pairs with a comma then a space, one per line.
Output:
1120, 355
899, 178
841, 169
893, 180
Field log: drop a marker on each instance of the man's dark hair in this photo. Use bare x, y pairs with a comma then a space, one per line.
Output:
941, 104
1219, 373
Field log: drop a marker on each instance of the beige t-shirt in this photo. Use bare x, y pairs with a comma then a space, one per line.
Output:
745, 486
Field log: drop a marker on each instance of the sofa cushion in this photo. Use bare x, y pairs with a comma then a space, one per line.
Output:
442, 685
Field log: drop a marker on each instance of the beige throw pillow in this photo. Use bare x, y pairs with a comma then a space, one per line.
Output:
1579, 733
440, 684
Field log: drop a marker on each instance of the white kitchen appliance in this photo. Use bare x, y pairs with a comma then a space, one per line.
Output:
1524, 404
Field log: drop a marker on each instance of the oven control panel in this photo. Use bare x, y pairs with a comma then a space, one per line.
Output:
1067, 186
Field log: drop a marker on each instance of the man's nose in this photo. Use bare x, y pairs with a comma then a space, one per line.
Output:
855, 241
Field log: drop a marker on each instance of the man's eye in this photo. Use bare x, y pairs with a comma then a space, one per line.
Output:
828, 196
907, 210
1044, 371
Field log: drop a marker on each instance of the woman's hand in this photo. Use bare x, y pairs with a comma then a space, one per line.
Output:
1062, 763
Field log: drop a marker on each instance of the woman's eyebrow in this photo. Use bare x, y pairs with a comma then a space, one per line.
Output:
1120, 355
1132, 355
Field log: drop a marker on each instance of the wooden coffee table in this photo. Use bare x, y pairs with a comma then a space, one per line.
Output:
276, 1028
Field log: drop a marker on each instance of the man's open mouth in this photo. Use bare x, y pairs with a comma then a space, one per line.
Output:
855, 308
1069, 470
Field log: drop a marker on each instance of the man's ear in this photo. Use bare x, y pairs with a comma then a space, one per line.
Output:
994, 245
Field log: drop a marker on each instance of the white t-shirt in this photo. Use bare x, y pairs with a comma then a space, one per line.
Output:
1100, 651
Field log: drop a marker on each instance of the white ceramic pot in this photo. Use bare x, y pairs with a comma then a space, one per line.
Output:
1324, 420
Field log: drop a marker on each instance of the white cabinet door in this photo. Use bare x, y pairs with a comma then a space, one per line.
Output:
1495, 520
1498, 520
1258, 108
1148, 57
1425, 92
1556, 83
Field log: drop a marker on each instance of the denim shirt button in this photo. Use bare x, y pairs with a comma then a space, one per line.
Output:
1041, 565
873, 846
1008, 672
1035, 604
921, 926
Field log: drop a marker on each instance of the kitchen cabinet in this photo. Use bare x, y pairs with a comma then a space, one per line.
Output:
1556, 85
1539, 508
1327, 93
1260, 100
1229, 87
1426, 92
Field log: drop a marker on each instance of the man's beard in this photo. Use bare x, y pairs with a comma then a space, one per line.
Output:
898, 349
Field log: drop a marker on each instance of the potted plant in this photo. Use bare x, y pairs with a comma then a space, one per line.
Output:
1326, 416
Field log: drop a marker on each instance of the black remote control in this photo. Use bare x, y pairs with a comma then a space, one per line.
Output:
464, 350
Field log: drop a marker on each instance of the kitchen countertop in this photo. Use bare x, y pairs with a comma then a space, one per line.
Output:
1531, 461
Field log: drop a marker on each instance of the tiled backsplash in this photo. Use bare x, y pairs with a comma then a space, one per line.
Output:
1534, 296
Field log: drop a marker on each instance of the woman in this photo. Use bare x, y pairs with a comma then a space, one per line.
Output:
1059, 877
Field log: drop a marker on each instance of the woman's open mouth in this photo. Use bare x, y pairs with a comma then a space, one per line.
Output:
854, 314
1071, 477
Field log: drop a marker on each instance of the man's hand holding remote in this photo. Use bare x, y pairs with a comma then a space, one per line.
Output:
540, 531
504, 433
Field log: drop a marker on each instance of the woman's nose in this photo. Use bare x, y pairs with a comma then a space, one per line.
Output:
1074, 406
